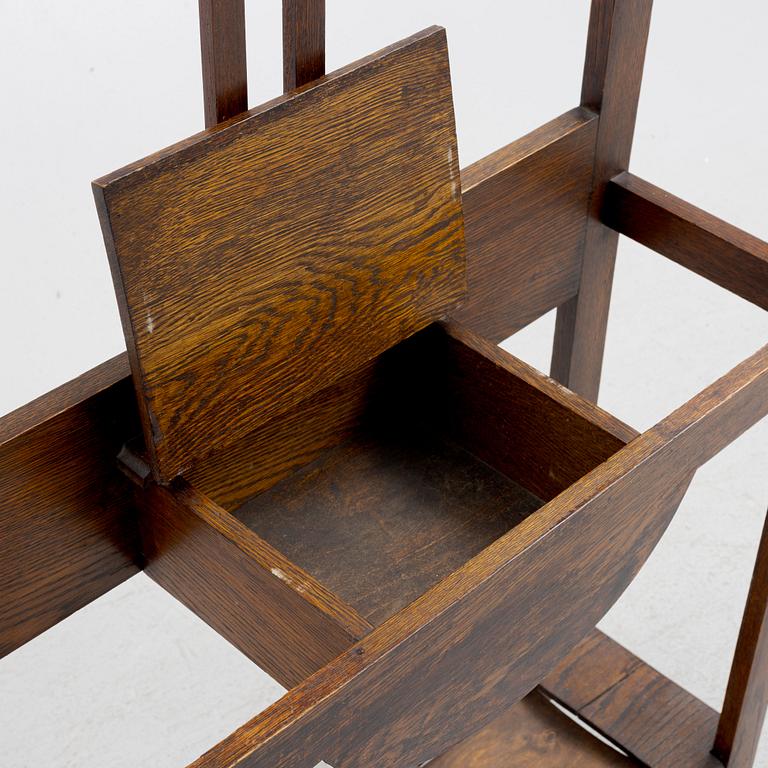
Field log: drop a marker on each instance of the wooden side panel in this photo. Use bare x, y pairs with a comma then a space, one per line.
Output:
653, 719
522, 423
275, 613
259, 262
708, 246
525, 213
289, 441
482, 638
67, 523
222, 45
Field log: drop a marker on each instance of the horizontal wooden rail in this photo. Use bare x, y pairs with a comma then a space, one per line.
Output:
269, 608
706, 245
67, 523
517, 602
524, 222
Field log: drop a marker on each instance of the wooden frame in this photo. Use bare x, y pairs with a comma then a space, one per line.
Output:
515, 611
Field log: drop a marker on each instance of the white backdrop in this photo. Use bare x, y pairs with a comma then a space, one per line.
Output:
90, 85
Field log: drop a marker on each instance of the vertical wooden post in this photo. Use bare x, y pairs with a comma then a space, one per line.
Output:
222, 41
618, 33
303, 42
746, 697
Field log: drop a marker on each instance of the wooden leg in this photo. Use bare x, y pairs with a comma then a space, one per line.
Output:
222, 41
618, 32
746, 697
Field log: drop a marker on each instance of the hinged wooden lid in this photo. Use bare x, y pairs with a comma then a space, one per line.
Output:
258, 262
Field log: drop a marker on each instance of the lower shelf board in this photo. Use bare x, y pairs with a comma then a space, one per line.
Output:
379, 520
654, 721
533, 734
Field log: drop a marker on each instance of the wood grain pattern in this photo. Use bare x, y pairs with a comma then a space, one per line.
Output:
383, 518
520, 422
67, 524
276, 614
613, 71
746, 697
653, 719
303, 42
222, 45
288, 442
483, 637
533, 734
259, 262
398, 505
525, 212
706, 245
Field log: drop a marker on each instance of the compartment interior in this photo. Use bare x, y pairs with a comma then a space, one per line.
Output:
383, 517
383, 485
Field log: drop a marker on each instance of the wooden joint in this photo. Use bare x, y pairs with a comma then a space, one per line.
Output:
134, 466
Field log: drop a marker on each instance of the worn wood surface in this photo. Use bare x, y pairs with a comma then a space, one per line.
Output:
684, 233
258, 262
222, 45
483, 637
533, 734
383, 518
67, 523
276, 614
635, 706
303, 42
613, 70
525, 213
610, 690
746, 697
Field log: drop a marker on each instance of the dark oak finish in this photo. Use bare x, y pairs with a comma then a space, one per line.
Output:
266, 606
303, 42
67, 524
708, 246
618, 32
525, 425
634, 706
231, 315
287, 442
498, 624
427, 527
524, 209
222, 44
381, 519
533, 734
400, 504
746, 698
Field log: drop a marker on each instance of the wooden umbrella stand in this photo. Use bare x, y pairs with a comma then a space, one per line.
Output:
315, 443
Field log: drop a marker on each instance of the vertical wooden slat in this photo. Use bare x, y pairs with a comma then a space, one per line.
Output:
746, 697
222, 41
303, 42
618, 32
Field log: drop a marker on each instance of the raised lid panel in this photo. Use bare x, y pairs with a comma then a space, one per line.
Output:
258, 262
